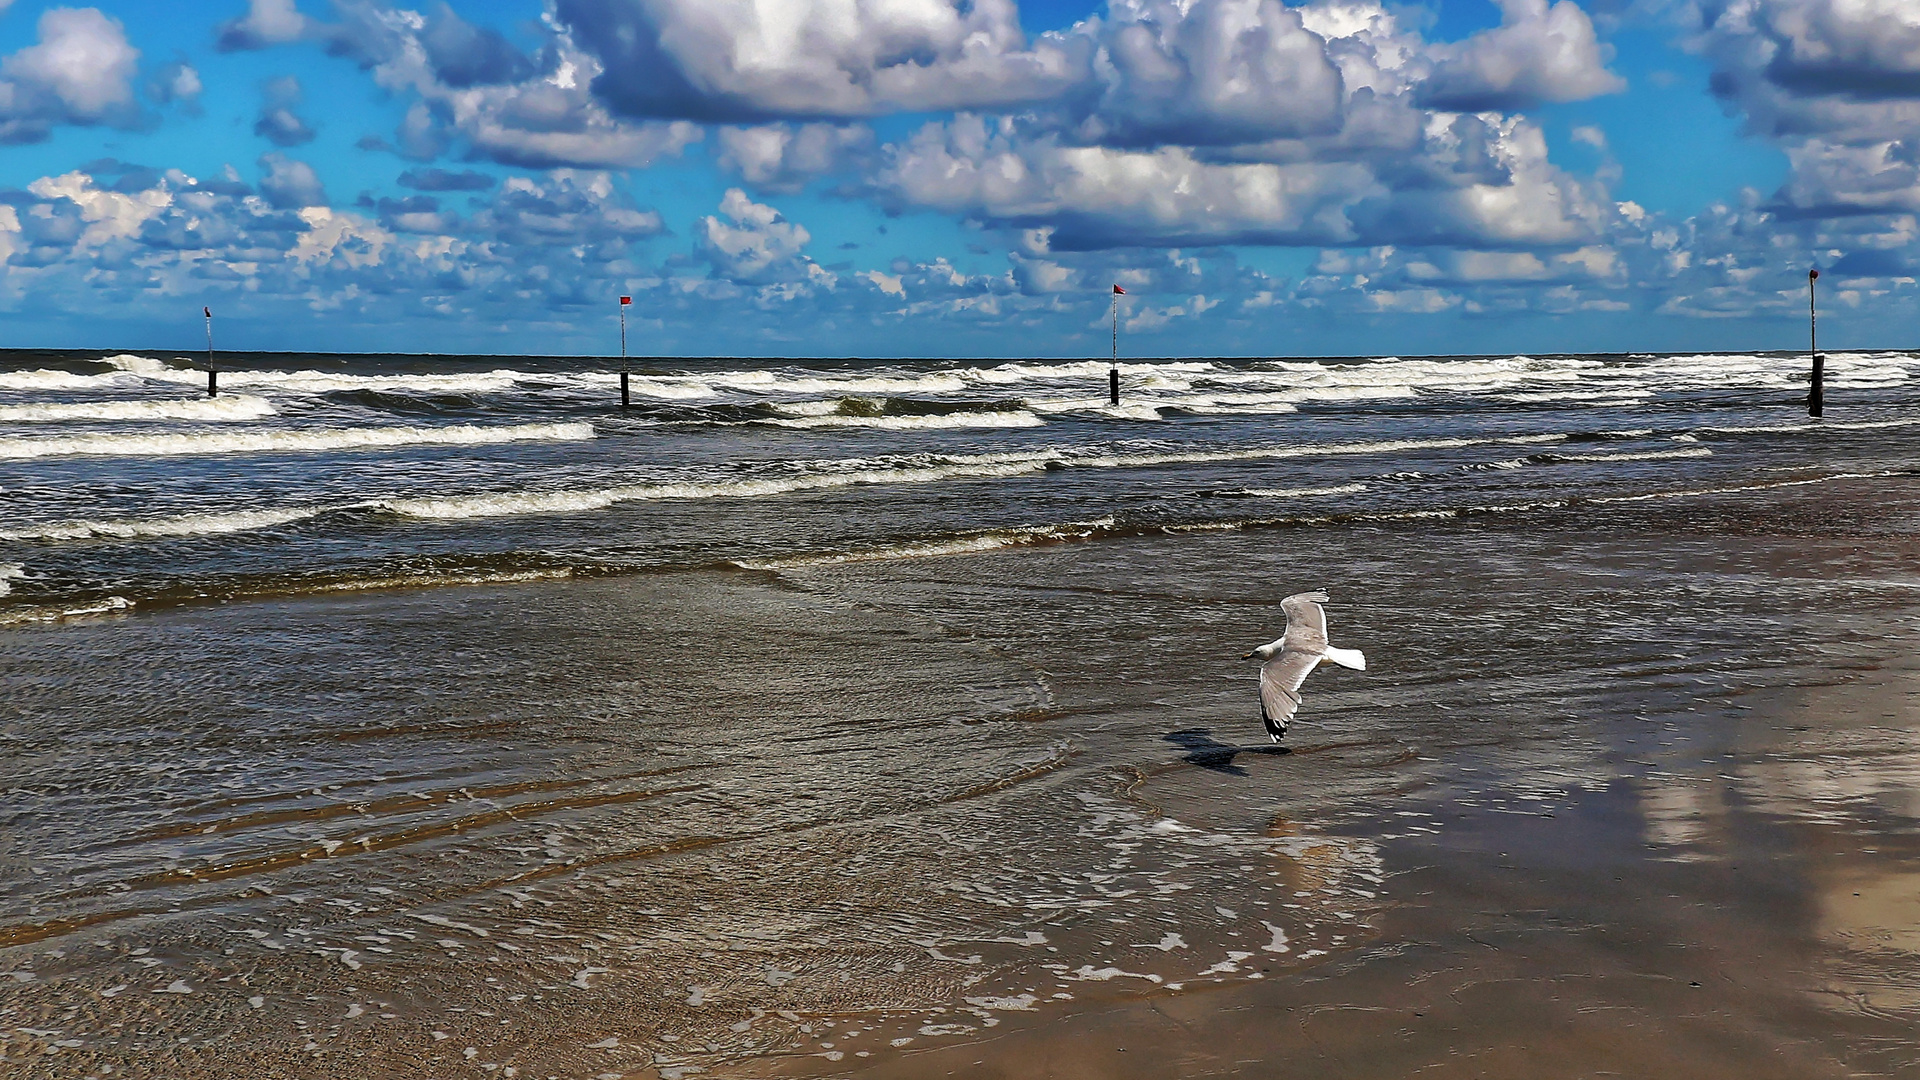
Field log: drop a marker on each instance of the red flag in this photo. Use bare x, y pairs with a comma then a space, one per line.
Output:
625, 300
207, 311
1118, 291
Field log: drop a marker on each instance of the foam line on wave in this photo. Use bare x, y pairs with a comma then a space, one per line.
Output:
232, 407
934, 547
921, 422
178, 525
286, 440
906, 469
308, 381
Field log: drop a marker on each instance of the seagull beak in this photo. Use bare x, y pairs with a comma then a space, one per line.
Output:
1248, 656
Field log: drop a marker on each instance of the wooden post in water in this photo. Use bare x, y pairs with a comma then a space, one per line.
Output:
213, 377
1816, 392
624, 302
1113, 366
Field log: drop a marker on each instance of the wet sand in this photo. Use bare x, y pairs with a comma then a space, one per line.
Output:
1765, 926
1622, 794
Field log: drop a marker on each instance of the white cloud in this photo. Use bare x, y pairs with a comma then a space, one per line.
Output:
1091, 196
80, 72
1537, 53
1210, 73
267, 22
746, 61
755, 245
786, 157
1837, 84
110, 215
177, 81
470, 84
277, 122
357, 243
290, 184
886, 283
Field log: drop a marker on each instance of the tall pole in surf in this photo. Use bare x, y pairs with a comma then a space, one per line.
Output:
624, 302
213, 377
1113, 366
1816, 396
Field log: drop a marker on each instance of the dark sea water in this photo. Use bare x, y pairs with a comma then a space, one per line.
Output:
314, 473
437, 716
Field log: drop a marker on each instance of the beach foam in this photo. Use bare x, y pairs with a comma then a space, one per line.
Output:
49, 379
232, 407
179, 525
921, 422
286, 440
967, 544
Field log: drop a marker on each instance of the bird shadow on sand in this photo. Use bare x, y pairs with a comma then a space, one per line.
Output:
1203, 750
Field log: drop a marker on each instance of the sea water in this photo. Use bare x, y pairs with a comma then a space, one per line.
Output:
409, 713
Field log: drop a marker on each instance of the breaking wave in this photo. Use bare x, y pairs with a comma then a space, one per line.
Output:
286, 440
233, 407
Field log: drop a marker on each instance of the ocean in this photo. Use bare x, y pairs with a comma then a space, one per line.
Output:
409, 715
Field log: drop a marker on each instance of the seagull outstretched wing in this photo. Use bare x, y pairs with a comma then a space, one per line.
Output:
1306, 623
1280, 680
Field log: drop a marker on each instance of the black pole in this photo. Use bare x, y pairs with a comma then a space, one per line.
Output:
1113, 384
623, 351
1816, 396
213, 377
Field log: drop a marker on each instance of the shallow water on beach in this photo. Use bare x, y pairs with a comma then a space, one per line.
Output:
776, 726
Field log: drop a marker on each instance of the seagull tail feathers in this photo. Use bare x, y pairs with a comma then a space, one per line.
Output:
1348, 658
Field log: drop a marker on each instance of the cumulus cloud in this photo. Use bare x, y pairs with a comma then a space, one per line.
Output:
473, 90
1538, 53
1837, 84
538, 243
754, 244
278, 123
267, 22
1507, 195
1092, 196
566, 207
786, 157
744, 61
175, 82
1210, 73
290, 184
1247, 122
80, 72
463, 55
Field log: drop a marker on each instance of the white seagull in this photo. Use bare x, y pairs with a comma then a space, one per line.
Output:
1290, 659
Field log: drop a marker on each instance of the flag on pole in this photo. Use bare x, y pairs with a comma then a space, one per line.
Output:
1118, 291
207, 311
625, 300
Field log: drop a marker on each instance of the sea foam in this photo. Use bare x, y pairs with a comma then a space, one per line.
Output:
177, 525
232, 407
286, 440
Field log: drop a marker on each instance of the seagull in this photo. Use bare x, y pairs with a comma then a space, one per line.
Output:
1290, 659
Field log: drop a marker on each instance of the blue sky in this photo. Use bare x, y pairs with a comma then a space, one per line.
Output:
930, 177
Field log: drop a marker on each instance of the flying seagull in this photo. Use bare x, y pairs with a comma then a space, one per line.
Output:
1290, 659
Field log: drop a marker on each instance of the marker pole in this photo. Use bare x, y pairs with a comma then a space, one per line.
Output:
624, 400
1816, 396
213, 377
1113, 368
